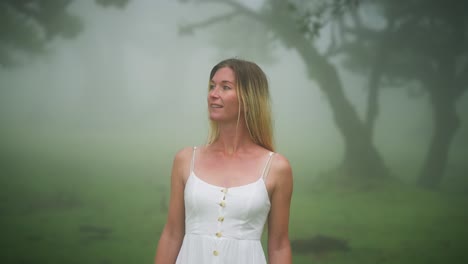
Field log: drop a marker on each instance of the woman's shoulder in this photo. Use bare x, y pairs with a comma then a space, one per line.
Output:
183, 155
181, 163
280, 162
183, 152
280, 168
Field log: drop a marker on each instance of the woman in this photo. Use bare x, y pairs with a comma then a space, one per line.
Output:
223, 193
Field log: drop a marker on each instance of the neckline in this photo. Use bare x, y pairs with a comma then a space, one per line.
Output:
222, 187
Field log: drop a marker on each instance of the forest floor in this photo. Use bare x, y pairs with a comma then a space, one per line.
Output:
87, 202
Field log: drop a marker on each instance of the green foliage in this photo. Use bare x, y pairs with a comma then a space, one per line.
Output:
26, 27
312, 16
417, 40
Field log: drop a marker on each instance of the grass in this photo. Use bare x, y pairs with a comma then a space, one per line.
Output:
394, 223
84, 200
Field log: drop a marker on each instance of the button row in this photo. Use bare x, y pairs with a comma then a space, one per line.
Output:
221, 218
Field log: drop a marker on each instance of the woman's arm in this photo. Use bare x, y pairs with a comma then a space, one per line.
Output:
279, 248
174, 230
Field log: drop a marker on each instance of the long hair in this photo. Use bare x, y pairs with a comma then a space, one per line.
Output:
254, 99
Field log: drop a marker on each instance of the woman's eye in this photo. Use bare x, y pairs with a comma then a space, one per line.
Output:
211, 86
226, 87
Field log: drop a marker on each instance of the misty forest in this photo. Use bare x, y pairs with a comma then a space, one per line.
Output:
370, 106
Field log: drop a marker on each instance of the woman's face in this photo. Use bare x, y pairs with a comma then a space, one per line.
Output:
223, 105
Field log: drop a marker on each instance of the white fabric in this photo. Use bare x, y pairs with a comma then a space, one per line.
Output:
224, 225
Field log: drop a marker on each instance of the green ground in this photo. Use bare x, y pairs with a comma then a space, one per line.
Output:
87, 201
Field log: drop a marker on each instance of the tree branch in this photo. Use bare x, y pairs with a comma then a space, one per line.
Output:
238, 7
238, 10
188, 29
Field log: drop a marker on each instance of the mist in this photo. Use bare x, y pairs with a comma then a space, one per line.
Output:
89, 128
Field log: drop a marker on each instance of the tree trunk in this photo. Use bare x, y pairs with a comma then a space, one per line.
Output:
446, 124
361, 158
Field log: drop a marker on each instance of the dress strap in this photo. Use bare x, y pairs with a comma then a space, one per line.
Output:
266, 169
192, 164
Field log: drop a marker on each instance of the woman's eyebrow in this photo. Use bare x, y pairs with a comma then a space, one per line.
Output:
224, 81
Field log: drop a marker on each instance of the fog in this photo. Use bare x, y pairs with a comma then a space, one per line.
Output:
131, 83
131, 69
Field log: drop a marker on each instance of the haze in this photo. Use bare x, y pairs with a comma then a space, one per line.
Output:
131, 89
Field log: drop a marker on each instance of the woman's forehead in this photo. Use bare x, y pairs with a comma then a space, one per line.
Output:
224, 74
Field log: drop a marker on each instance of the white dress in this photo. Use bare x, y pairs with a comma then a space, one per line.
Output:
224, 225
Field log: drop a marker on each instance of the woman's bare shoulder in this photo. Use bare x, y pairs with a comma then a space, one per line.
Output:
281, 162
281, 169
181, 163
183, 154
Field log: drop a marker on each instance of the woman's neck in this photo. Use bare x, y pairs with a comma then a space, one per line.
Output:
232, 138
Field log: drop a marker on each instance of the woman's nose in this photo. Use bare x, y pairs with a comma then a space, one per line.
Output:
214, 92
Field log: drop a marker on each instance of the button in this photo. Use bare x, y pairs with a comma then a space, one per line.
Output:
222, 204
218, 234
221, 218
215, 253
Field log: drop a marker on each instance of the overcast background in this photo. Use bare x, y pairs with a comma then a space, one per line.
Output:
130, 70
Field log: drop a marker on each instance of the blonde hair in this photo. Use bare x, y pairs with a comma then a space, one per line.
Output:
254, 99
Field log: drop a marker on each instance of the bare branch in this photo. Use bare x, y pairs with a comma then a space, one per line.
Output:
188, 29
239, 9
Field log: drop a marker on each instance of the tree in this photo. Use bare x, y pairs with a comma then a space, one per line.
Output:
26, 26
423, 41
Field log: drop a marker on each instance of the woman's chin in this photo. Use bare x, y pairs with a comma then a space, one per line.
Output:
215, 117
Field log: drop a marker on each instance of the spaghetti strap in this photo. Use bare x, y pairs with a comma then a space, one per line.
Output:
192, 164
266, 169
